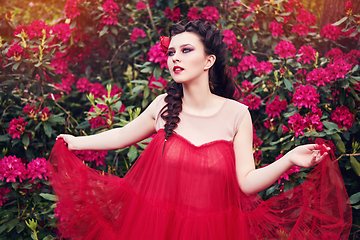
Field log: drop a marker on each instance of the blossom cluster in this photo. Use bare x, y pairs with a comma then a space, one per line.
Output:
298, 123
209, 14
236, 48
13, 169
156, 55
111, 10
92, 156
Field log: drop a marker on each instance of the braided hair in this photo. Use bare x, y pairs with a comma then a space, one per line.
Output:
220, 78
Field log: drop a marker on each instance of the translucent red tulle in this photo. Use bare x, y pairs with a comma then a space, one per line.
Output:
189, 192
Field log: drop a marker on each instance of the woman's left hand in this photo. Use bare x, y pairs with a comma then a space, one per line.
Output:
308, 155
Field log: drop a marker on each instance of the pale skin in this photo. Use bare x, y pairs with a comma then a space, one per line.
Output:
187, 52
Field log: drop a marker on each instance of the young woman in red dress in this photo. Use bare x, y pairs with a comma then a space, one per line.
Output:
196, 179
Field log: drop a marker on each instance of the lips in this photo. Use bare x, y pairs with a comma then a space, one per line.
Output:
177, 69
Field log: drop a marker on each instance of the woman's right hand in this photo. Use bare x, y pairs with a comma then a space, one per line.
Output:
69, 140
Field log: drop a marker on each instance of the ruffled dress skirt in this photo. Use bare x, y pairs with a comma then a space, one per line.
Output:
189, 192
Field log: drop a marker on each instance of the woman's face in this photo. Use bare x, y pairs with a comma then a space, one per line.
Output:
187, 60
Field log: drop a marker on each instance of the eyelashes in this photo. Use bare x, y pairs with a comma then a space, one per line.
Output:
184, 50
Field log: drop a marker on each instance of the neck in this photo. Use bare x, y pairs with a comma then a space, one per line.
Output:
197, 95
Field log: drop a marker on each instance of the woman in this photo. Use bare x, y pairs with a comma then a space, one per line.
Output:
197, 178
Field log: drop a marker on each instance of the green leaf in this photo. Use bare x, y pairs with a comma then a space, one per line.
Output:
4, 137
73, 24
355, 165
104, 30
157, 72
25, 140
132, 154
146, 69
340, 21
288, 85
111, 40
271, 190
330, 125
12, 223
49, 237
355, 198
254, 38
48, 196
16, 65
47, 129
82, 125
20, 228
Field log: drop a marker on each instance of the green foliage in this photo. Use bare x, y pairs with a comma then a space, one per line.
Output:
92, 76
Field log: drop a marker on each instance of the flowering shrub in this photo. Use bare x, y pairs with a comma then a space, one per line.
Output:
101, 64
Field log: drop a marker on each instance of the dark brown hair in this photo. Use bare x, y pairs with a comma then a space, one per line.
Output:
220, 79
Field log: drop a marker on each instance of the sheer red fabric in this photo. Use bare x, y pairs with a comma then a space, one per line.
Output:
191, 192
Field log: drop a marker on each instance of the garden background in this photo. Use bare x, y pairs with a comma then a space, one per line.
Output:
85, 66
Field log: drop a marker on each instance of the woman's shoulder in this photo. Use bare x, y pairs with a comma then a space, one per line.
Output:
235, 105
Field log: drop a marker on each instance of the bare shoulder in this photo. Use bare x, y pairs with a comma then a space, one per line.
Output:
156, 105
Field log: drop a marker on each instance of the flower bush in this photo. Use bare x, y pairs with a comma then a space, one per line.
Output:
101, 64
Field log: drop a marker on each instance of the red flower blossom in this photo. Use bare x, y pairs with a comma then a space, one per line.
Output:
285, 129
247, 86
97, 122
92, 156
342, 117
313, 121
307, 54
3, 192
238, 51
338, 69
157, 84
318, 77
275, 107
255, 6
248, 62
297, 124
110, 9
115, 90
140, 6
210, 14
17, 127
270, 124
252, 101
353, 56
193, 14
256, 145
62, 32
334, 53
31, 110
83, 85
330, 31
35, 29
37, 168
45, 114
264, 67
156, 55
67, 81
164, 42
349, 8
15, 51
306, 96
306, 18
137, 32
60, 62
11, 167
300, 29
276, 29
174, 15
285, 49
71, 9
97, 90
229, 38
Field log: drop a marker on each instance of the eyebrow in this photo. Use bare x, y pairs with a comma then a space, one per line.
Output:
181, 46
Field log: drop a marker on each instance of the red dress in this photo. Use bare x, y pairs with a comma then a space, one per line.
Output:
189, 192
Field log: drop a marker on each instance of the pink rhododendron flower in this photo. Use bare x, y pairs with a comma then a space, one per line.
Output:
353, 56
307, 54
256, 145
297, 124
71, 9
275, 107
306, 96
140, 6
137, 32
338, 69
314, 123
247, 86
111, 10
31, 110
60, 63
15, 51
264, 68
97, 90
318, 77
97, 122
334, 53
11, 167
270, 124
92, 156
255, 6
210, 14
252, 101
174, 15
300, 74
276, 29
83, 85
285, 129
35, 29
229, 38
193, 14
238, 51
67, 81
248, 62
156, 55
62, 31
37, 168
285, 49
342, 117
44, 114
115, 90
3, 192
153, 83
330, 31
17, 127
349, 8
306, 18
300, 29
292, 170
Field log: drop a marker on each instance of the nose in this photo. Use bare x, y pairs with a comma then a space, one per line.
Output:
175, 57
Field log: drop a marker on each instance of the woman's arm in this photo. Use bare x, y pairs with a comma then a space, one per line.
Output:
253, 180
138, 129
